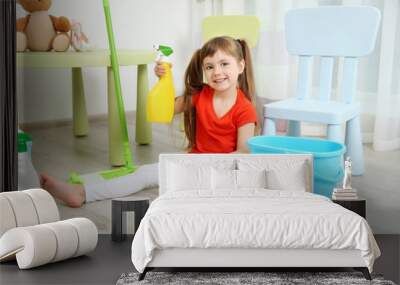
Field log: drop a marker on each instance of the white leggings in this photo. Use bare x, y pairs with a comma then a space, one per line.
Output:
99, 189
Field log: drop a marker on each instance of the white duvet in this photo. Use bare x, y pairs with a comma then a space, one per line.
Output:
252, 218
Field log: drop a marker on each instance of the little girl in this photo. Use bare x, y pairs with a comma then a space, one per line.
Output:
219, 117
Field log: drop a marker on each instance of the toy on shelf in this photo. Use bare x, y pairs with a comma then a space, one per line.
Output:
39, 31
160, 101
79, 40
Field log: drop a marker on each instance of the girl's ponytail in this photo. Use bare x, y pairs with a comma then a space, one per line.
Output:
246, 79
246, 82
193, 85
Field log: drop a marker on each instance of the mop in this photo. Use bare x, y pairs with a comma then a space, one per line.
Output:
129, 166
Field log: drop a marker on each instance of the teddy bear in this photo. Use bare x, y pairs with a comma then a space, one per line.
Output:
39, 31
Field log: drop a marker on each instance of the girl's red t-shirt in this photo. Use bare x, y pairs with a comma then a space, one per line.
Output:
219, 135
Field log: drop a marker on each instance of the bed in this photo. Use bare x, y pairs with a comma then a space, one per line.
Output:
247, 210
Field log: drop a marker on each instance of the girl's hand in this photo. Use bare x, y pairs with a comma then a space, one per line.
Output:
159, 70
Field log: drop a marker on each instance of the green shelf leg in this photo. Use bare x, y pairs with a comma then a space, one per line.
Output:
79, 113
143, 127
115, 141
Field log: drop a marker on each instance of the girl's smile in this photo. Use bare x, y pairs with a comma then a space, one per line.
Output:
222, 71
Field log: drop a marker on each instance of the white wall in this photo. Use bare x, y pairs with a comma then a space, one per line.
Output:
45, 94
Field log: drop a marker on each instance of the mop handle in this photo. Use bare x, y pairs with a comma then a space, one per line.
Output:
117, 83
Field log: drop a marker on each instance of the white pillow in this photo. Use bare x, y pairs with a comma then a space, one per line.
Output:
281, 174
292, 179
183, 177
223, 179
251, 178
227, 179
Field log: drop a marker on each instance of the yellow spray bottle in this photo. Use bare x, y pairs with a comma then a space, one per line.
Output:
160, 100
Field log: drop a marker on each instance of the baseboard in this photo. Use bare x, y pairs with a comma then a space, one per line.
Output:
68, 122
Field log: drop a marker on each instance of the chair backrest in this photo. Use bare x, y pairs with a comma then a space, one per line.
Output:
235, 26
329, 32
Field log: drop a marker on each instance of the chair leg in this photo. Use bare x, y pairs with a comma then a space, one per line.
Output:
334, 133
354, 145
269, 127
294, 129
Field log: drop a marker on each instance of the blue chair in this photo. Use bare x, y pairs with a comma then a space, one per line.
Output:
327, 32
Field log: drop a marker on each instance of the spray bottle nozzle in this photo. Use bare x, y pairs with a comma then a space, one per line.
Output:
165, 50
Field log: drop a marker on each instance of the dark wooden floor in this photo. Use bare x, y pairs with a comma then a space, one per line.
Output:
102, 266
110, 260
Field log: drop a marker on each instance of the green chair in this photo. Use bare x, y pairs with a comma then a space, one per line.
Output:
236, 26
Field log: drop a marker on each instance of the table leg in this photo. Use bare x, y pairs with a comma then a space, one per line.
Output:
79, 113
115, 141
117, 221
143, 127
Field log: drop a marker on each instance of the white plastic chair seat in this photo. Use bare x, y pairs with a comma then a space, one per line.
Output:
324, 112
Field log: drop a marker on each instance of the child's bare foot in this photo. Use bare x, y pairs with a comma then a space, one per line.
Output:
73, 195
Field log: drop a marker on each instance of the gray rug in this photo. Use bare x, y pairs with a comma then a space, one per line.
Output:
243, 278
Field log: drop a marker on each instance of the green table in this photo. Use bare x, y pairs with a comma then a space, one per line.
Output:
99, 58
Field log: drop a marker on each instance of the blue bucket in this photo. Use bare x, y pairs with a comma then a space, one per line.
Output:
328, 157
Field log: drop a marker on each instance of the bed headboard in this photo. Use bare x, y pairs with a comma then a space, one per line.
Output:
215, 159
